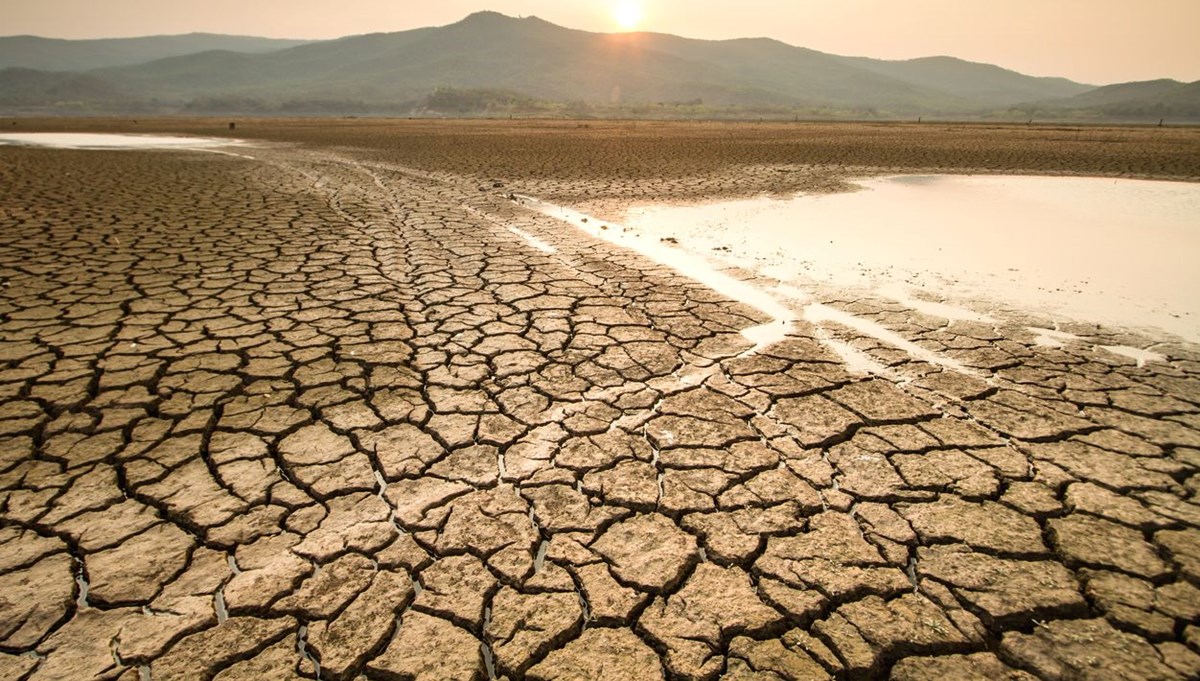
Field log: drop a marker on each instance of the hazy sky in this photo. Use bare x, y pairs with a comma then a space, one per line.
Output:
1093, 41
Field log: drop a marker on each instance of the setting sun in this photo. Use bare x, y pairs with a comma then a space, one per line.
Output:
628, 14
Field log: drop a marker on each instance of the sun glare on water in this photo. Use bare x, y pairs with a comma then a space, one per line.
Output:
628, 14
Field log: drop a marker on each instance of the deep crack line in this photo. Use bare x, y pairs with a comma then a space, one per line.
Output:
303, 650
219, 604
81, 582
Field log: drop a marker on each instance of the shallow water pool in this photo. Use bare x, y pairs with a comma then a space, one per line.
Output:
89, 140
1117, 252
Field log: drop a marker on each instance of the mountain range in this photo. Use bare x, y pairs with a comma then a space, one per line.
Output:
53, 54
492, 64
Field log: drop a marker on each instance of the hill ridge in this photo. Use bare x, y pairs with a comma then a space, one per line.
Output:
501, 63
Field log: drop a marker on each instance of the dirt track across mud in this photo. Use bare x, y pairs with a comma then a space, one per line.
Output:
332, 410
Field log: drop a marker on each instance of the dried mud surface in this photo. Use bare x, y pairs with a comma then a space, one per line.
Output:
321, 413
602, 165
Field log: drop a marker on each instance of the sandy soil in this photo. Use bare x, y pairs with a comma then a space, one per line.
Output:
342, 407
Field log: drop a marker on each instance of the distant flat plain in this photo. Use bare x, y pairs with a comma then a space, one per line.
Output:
635, 160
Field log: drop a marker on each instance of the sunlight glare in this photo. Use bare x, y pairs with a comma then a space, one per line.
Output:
628, 14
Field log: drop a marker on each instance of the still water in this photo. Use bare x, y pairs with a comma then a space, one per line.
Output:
89, 140
1118, 252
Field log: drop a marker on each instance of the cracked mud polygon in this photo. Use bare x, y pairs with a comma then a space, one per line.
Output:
318, 411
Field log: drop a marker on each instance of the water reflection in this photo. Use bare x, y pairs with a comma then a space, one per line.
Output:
1118, 252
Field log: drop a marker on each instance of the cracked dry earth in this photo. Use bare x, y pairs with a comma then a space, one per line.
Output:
302, 416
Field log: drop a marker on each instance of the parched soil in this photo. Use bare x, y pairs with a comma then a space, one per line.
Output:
326, 411
671, 159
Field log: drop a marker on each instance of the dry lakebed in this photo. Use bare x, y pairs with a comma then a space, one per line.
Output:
565, 400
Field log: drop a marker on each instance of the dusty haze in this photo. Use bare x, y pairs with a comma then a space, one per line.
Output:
1091, 41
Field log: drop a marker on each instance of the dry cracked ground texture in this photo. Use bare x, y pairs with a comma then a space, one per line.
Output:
304, 416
